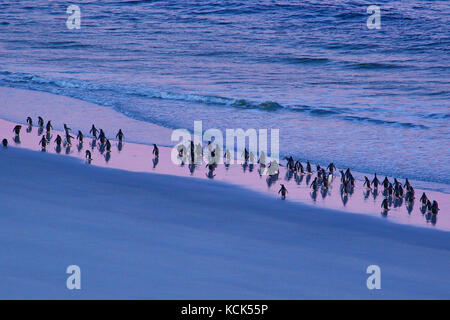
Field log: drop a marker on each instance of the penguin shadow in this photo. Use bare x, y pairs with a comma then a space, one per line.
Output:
80, 146
390, 202
93, 143
40, 131
298, 178
423, 209
324, 192
314, 195
375, 194
227, 166
244, 166
191, 168
366, 194
155, 162
271, 179
261, 170
68, 151
384, 213
29, 129
344, 198
48, 136
398, 202
120, 146
308, 179
101, 148
433, 219
289, 174
351, 190
16, 139
410, 206
210, 174
58, 149
251, 167
108, 156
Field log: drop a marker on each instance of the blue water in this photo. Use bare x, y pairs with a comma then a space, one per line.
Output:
373, 100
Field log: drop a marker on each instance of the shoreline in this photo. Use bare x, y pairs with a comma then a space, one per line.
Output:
138, 158
58, 107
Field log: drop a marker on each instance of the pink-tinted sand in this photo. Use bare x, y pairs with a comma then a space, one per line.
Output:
139, 158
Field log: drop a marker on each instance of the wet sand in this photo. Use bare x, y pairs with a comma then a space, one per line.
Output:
139, 158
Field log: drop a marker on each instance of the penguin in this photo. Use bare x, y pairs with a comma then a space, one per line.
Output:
347, 173
58, 140
252, 158
396, 183
108, 146
94, 131
155, 150
324, 181
182, 151
273, 168
343, 180
407, 184
228, 156
331, 167
40, 122
66, 129
245, 154
69, 139
80, 136
30, 121
434, 207
102, 136
5, 143
120, 135
390, 189
366, 182
308, 167
314, 184
192, 152
43, 143
409, 196
290, 163
299, 167
88, 155
16, 129
49, 126
262, 158
423, 199
386, 182
283, 191
375, 181
429, 206
385, 204
351, 180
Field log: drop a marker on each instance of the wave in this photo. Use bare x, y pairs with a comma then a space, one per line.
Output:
95, 93
375, 65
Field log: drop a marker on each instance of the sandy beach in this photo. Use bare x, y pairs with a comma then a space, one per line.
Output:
143, 231
146, 236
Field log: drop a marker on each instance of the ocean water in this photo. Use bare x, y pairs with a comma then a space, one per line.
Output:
372, 100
